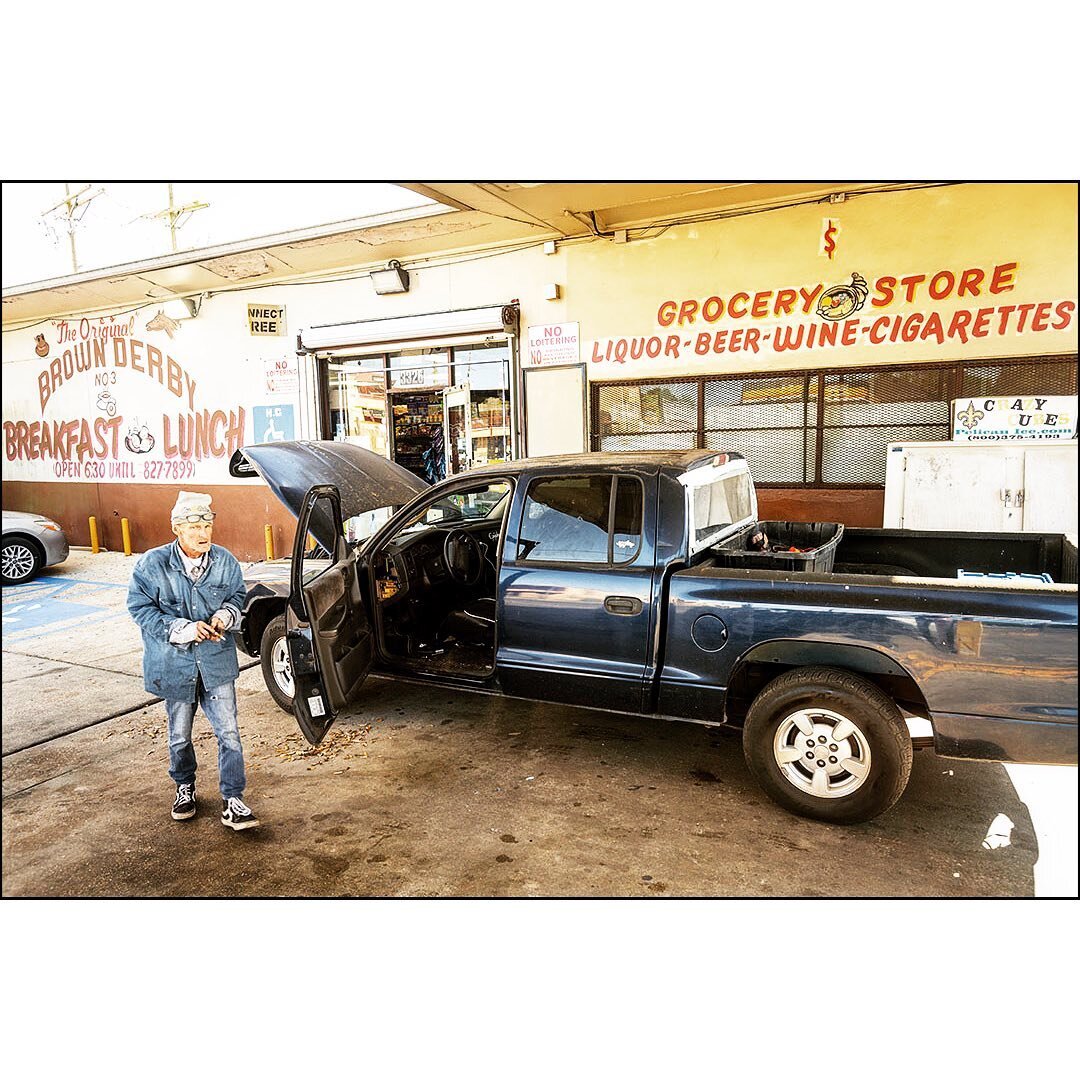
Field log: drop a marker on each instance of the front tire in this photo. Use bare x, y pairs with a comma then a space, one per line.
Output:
827, 744
276, 665
20, 561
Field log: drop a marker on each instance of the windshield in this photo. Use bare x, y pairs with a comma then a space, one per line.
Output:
487, 503
364, 526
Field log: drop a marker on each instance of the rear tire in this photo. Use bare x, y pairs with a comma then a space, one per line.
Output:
276, 665
827, 744
20, 561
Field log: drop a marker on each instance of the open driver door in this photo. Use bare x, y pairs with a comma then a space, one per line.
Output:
329, 634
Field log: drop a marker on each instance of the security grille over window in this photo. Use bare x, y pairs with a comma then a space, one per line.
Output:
1044, 376
865, 411
813, 428
771, 421
650, 416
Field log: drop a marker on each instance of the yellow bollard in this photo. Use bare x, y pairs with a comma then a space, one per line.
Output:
269, 542
95, 545
125, 528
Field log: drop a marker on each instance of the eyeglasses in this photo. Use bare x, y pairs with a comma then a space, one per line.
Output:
196, 519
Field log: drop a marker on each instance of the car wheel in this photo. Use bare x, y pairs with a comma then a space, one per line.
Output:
276, 665
20, 561
828, 744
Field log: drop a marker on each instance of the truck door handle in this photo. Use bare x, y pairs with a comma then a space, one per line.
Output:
622, 605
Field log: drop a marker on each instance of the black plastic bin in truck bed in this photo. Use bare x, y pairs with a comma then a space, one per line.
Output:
817, 540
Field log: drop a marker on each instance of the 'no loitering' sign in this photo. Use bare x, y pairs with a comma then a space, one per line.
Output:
282, 375
556, 343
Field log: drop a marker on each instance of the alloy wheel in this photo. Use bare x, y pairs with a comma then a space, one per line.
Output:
822, 753
17, 562
282, 666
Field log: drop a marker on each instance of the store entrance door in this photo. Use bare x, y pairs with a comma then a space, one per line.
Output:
418, 433
457, 429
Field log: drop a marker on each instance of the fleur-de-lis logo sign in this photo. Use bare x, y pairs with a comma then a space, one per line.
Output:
971, 416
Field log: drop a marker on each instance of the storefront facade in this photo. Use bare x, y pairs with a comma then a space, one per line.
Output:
811, 337
806, 336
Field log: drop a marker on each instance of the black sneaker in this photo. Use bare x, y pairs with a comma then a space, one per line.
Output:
184, 807
235, 815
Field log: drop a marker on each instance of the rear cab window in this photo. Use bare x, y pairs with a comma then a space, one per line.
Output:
593, 519
720, 501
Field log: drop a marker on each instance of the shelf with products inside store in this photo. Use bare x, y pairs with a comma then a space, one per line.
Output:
416, 431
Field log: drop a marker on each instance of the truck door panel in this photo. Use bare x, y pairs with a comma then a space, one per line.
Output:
578, 631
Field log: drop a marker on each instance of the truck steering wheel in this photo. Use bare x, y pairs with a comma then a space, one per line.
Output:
463, 557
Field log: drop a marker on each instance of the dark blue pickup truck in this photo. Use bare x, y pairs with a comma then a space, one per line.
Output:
641, 583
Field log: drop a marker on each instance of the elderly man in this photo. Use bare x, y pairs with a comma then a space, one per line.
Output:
186, 596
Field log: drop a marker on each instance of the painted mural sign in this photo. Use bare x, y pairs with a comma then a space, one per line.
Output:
938, 306
1014, 419
102, 400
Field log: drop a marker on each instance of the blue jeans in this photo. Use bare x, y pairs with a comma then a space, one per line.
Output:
219, 704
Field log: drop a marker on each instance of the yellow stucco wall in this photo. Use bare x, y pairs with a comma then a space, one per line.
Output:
616, 291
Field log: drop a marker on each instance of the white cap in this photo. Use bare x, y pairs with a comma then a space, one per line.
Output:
190, 502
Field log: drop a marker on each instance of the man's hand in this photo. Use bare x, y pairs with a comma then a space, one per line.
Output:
210, 631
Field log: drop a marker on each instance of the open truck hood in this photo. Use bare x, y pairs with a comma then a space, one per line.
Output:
365, 480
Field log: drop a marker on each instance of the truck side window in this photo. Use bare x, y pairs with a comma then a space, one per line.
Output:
582, 519
626, 540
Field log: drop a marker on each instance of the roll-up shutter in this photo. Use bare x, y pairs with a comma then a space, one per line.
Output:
443, 325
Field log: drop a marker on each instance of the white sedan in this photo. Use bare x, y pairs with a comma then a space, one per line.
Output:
30, 542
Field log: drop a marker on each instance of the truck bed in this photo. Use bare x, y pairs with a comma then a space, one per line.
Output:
909, 553
934, 554
993, 661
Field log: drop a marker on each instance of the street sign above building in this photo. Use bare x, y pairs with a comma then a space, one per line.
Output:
266, 320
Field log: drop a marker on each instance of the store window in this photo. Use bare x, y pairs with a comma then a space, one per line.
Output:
773, 419
358, 415
865, 411
357, 390
811, 428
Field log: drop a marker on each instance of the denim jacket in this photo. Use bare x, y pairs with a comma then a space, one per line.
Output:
160, 593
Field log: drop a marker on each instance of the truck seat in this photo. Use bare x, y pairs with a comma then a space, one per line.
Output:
472, 625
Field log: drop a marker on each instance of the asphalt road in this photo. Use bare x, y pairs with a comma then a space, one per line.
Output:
440, 793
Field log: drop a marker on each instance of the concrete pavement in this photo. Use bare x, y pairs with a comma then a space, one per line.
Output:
438, 793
